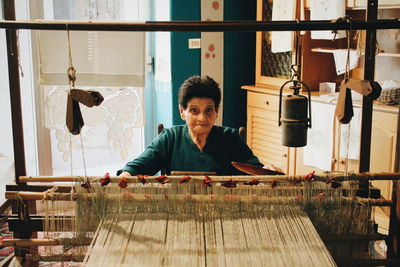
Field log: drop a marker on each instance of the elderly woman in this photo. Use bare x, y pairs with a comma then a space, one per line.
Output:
198, 145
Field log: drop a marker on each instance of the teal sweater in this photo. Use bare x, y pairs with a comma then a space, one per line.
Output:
174, 150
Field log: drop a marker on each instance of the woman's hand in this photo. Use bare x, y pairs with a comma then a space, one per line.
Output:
125, 173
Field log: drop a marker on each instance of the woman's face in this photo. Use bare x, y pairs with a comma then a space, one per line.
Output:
199, 115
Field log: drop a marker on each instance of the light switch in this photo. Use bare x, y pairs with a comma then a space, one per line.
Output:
194, 43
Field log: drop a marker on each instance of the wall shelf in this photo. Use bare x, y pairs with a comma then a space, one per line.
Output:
331, 50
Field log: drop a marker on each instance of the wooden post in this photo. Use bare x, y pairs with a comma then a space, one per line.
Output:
369, 72
15, 92
17, 122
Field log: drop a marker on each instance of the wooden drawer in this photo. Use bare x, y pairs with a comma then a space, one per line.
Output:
263, 101
264, 134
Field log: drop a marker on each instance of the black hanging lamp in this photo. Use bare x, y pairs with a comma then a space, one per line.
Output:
295, 109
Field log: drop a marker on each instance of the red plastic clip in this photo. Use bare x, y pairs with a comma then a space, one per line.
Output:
106, 180
252, 182
184, 179
163, 179
229, 184
123, 182
141, 178
309, 177
207, 181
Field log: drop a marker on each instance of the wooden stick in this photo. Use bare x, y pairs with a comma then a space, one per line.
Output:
44, 242
182, 173
219, 179
371, 201
352, 237
55, 258
368, 262
26, 195
6, 261
201, 26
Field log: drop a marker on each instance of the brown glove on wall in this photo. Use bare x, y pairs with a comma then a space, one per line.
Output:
344, 107
89, 98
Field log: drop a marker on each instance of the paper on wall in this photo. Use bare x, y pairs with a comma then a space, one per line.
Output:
325, 10
282, 10
318, 152
340, 57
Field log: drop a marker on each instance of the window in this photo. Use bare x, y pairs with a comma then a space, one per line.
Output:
112, 63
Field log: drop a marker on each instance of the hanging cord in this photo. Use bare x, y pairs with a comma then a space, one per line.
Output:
71, 70
83, 157
70, 152
22, 208
361, 45
19, 58
347, 76
72, 78
347, 71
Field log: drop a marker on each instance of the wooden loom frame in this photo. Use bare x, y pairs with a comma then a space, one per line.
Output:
371, 24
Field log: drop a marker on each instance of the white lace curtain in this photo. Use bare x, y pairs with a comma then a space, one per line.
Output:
112, 65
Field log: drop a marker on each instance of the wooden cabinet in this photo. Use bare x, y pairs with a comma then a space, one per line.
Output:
264, 137
383, 147
317, 66
317, 60
263, 133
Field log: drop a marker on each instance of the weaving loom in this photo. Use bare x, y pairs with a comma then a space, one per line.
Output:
173, 221
202, 220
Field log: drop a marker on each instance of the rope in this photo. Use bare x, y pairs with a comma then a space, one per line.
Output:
22, 208
71, 72
49, 193
70, 152
19, 57
83, 157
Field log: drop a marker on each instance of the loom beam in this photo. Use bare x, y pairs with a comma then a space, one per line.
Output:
36, 224
203, 26
182, 197
55, 258
217, 179
44, 242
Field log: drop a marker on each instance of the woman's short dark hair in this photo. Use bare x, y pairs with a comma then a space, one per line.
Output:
199, 86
